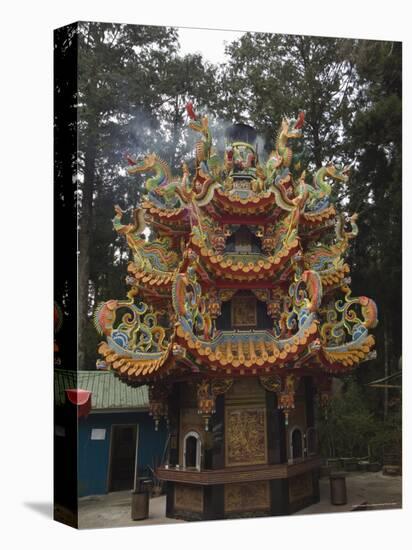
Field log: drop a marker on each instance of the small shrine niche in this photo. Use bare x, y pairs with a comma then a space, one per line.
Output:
192, 450
243, 241
244, 311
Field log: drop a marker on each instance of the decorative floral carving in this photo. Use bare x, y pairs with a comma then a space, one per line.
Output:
271, 383
274, 304
227, 294
241, 497
269, 239
213, 303
189, 497
221, 385
218, 239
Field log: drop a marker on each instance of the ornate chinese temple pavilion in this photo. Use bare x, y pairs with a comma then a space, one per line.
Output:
238, 316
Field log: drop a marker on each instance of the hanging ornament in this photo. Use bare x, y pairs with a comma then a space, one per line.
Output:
286, 398
158, 406
205, 401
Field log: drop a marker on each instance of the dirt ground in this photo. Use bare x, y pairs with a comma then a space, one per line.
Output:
370, 491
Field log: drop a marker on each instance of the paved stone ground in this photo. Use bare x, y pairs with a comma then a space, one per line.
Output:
378, 491
113, 510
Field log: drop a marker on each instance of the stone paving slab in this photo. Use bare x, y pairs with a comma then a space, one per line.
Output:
379, 491
365, 491
114, 510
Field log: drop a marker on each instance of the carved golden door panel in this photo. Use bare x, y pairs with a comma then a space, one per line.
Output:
245, 436
189, 497
300, 487
241, 497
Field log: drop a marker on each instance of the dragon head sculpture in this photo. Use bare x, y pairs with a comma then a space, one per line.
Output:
337, 172
143, 163
291, 128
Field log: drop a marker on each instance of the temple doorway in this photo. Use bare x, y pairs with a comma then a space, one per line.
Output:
122, 457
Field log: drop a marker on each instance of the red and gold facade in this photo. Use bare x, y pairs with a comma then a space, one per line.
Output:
238, 315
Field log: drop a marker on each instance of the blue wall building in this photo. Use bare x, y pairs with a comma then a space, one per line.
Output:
117, 439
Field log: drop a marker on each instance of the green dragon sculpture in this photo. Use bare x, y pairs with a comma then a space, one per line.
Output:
319, 192
208, 163
158, 254
161, 184
321, 257
283, 156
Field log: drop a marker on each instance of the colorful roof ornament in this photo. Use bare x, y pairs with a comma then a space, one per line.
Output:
245, 273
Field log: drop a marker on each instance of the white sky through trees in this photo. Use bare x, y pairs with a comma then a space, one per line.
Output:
208, 42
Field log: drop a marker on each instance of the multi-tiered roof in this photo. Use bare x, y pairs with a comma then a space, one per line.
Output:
196, 259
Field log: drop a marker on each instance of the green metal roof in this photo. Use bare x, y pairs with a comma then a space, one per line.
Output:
108, 392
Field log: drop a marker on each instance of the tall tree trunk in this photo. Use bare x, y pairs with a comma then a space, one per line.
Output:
83, 259
317, 145
386, 336
174, 133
